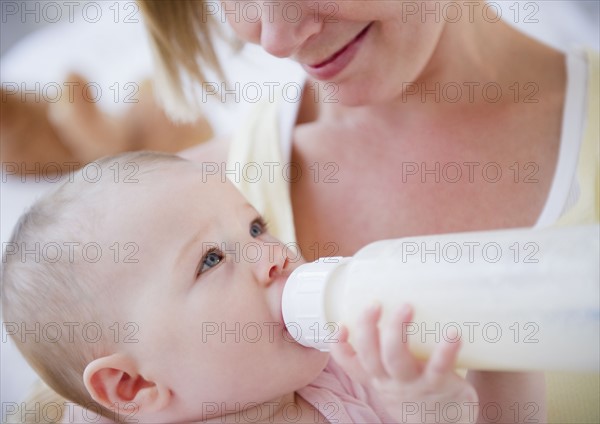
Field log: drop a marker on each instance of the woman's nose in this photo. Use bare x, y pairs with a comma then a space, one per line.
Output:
272, 263
286, 25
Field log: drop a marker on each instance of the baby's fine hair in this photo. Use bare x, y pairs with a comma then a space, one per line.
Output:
50, 291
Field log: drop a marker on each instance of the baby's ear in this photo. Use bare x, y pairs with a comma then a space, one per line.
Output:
114, 382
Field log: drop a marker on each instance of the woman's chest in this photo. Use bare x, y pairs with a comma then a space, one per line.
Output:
356, 192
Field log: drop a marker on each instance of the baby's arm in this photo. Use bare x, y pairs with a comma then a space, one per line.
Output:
411, 390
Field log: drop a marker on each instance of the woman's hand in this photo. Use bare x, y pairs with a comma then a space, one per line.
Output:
412, 391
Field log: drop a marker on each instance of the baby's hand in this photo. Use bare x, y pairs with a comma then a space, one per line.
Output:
411, 390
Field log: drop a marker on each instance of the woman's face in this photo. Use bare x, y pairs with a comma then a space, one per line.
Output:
367, 48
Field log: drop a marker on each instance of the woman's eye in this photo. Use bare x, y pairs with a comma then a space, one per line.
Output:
211, 259
257, 228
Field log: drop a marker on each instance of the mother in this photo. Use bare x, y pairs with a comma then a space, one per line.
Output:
445, 119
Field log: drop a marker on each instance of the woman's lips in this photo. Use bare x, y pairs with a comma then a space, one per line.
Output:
334, 64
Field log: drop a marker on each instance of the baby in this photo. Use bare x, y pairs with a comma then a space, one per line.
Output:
157, 294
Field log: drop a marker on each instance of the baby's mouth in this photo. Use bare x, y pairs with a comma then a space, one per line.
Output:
276, 296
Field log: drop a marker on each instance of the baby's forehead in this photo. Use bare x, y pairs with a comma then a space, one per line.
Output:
171, 189
199, 179
166, 178
163, 208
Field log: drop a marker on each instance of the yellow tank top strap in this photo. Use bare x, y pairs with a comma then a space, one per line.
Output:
587, 208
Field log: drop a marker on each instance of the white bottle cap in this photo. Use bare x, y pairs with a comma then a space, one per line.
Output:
303, 302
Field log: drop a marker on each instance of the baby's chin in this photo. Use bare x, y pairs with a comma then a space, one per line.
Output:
312, 363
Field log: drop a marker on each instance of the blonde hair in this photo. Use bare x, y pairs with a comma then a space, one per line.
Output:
182, 36
46, 291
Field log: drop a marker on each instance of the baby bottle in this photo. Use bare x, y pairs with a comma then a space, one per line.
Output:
518, 299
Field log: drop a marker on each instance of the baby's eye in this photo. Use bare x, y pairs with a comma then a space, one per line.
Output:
258, 227
212, 258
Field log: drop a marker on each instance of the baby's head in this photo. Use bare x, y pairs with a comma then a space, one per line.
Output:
155, 290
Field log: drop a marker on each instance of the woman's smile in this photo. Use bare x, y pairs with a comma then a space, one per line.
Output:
338, 61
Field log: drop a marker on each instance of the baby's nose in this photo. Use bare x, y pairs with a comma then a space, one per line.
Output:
278, 269
273, 263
